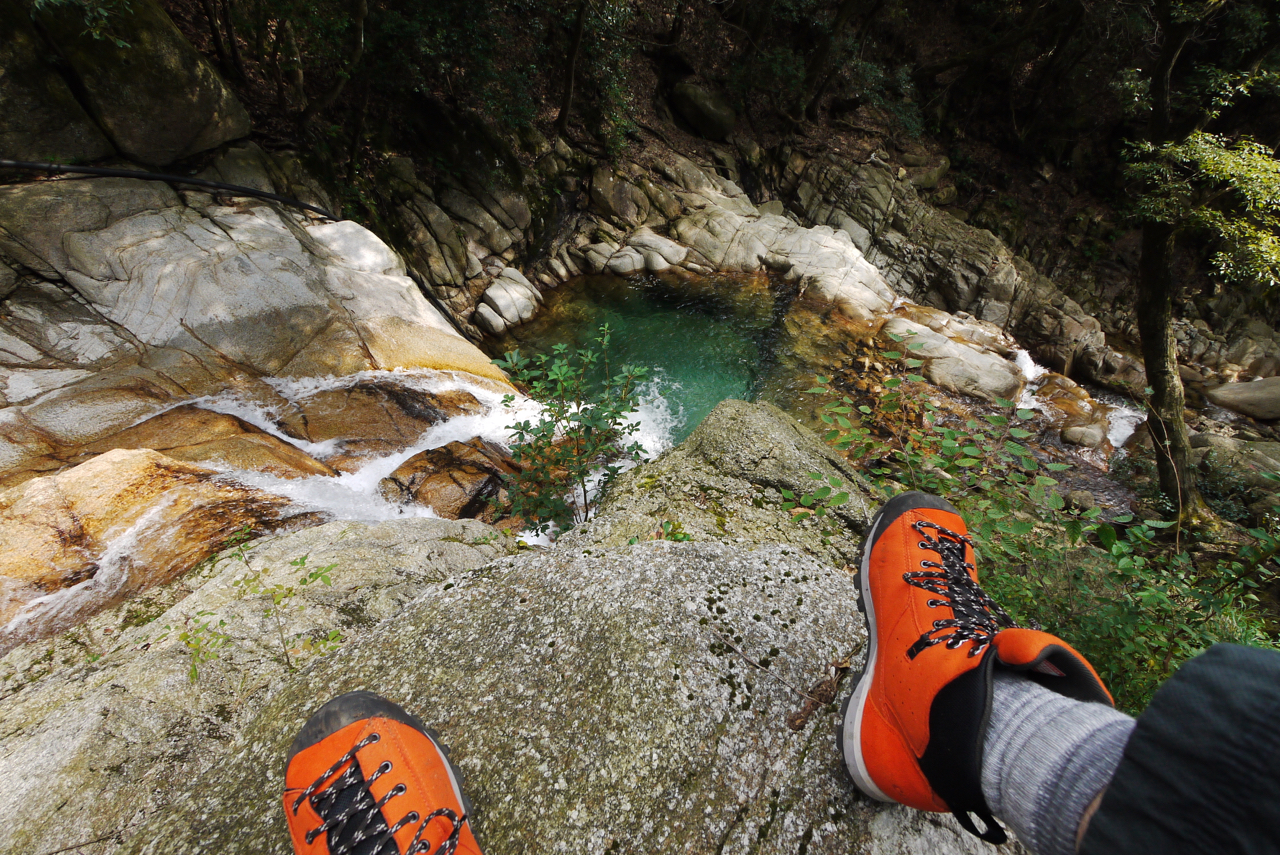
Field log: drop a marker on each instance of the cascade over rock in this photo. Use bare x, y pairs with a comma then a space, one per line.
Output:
127, 297
118, 524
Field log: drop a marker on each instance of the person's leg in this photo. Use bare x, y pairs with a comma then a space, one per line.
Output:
1201, 772
364, 777
959, 710
1045, 759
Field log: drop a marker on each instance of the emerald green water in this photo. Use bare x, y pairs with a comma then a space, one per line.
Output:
700, 344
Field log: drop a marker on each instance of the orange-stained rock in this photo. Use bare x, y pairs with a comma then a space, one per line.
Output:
59, 530
1084, 421
374, 417
456, 480
201, 436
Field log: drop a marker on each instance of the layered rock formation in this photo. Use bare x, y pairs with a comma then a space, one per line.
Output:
130, 310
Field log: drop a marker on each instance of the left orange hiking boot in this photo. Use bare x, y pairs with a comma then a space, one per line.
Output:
364, 777
913, 728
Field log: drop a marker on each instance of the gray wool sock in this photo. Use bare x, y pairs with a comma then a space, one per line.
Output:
1045, 758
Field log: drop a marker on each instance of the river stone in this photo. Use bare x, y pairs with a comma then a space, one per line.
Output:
928, 179
157, 98
120, 523
1259, 399
670, 251
372, 418
489, 320
200, 436
626, 262
41, 119
512, 297
954, 365
708, 112
1084, 421
617, 198
487, 229
455, 480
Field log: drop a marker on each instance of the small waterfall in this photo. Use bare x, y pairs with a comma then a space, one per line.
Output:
1122, 418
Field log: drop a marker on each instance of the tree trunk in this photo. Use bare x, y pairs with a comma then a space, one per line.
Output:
293, 55
1160, 356
1155, 304
566, 104
215, 29
676, 35
233, 43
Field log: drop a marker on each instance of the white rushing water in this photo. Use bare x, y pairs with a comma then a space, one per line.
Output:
1122, 418
354, 496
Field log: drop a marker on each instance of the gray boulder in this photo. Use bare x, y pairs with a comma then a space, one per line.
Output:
958, 366
101, 724
595, 700
41, 119
157, 98
1259, 399
708, 112
603, 695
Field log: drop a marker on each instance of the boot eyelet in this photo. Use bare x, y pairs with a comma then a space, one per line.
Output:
398, 790
412, 817
384, 767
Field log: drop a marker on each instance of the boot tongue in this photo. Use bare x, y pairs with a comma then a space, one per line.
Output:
365, 831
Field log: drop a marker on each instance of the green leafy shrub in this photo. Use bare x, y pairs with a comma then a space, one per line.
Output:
578, 439
1131, 598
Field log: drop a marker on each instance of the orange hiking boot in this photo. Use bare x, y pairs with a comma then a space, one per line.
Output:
914, 725
364, 777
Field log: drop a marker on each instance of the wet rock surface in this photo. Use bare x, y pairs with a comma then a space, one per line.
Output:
127, 300
461, 479
109, 713
371, 418
200, 436
112, 527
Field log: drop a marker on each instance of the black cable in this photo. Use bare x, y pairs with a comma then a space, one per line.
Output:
234, 189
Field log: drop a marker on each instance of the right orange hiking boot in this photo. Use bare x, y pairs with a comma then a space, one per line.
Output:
364, 777
914, 725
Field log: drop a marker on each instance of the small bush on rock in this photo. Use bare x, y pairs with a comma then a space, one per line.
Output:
573, 449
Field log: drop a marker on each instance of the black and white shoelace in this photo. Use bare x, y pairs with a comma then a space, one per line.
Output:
976, 617
353, 819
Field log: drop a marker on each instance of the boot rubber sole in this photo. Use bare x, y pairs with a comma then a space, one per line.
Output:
856, 703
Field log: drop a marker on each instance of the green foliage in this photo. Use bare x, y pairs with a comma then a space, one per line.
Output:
580, 436
203, 639
97, 15
890, 90
1134, 603
279, 602
1231, 190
